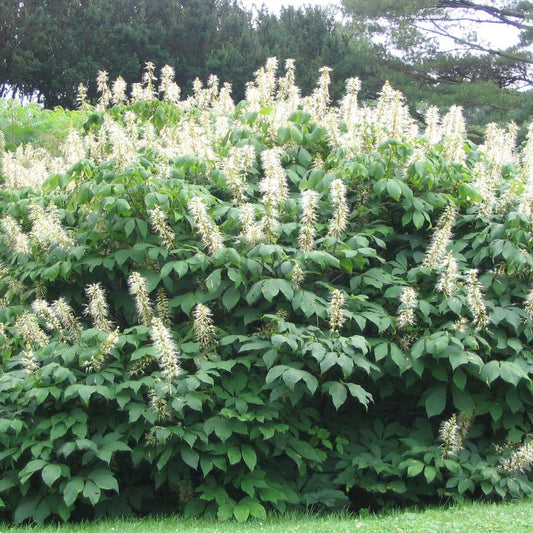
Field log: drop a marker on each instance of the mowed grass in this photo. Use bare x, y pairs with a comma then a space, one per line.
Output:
514, 517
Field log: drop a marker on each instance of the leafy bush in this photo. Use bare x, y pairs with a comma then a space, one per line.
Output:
224, 310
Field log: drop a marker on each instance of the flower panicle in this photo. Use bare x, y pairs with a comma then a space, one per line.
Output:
339, 219
166, 349
297, 275
252, 231
46, 312
47, 229
528, 304
335, 311
451, 437
17, 240
520, 460
441, 238
97, 307
447, 283
409, 303
209, 232
28, 361
139, 291
159, 222
306, 234
162, 307
475, 300
204, 329
66, 316
28, 326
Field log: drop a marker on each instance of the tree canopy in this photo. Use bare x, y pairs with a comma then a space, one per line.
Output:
48, 47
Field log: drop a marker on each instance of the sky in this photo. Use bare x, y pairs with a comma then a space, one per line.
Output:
275, 5
501, 38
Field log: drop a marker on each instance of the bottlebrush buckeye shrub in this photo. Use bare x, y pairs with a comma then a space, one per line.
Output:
226, 309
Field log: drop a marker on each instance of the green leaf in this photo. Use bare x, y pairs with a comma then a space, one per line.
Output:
230, 298
511, 372
256, 509
190, 457
436, 400
361, 394
103, 479
72, 489
129, 227
430, 472
220, 426
234, 455
415, 468
338, 393
490, 371
305, 450
272, 287
225, 511
241, 512
50, 474
26, 509
249, 456
213, 280
381, 351
394, 189
91, 492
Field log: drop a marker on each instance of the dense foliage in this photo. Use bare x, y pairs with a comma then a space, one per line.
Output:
223, 309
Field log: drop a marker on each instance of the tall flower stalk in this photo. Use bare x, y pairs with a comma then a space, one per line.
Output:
139, 291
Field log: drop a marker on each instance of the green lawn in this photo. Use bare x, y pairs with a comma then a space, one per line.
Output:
516, 517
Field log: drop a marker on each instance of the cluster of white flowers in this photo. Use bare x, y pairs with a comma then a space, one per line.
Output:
46, 312
66, 316
475, 300
453, 133
409, 303
209, 232
139, 291
306, 235
252, 230
97, 307
28, 166
453, 432
47, 230
447, 283
392, 116
297, 275
274, 188
204, 330
520, 460
17, 241
433, 133
158, 221
339, 219
261, 92
102, 87
235, 165
30, 330
442, 236
335, 311
526, 199
166, 349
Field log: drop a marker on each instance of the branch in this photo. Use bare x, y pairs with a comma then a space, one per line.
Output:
440, 31
504, 15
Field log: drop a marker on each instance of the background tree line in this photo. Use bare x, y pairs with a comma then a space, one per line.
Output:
47, 47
